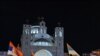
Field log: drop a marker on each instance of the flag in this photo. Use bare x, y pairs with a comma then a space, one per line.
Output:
71, 51
11, 49
19, 51
14, 51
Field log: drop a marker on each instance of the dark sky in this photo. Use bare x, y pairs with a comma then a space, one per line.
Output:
79, 18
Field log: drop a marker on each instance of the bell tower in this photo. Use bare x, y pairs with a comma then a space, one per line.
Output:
25, 40
59, 40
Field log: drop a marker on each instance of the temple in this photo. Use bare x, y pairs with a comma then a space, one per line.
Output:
36, 39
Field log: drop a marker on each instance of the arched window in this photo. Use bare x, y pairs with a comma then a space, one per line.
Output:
27, 31
43, 52
60, 34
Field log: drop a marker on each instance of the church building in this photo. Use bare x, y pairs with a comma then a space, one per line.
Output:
36, 39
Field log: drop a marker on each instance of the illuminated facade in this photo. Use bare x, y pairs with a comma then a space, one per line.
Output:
36, 39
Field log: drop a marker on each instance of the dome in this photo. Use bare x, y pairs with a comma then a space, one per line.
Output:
42, 42
35, 29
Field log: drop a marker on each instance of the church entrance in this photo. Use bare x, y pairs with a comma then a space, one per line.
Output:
43, 52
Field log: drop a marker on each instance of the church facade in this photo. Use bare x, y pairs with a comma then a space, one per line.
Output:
35, 39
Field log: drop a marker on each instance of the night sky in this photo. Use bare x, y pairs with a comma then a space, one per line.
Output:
80, 20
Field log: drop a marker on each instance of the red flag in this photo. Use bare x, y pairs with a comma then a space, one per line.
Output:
19, 51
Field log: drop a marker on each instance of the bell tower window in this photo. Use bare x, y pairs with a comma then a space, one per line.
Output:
27, 31
60, 34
